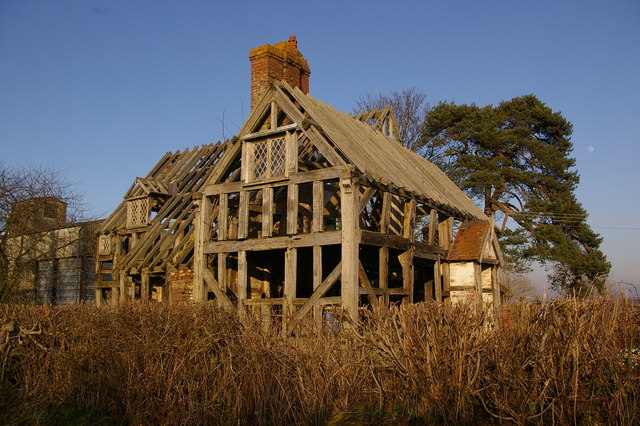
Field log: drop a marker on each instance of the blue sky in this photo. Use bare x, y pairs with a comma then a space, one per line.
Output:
105, 88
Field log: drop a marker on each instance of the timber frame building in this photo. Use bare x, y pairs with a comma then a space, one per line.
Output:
307, 208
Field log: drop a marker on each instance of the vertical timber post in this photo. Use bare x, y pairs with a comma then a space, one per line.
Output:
477, 268
144, 286
290, 275
349, 196
242, 278
201, 220
123, 287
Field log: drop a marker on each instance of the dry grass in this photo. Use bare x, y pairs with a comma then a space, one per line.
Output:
565, 361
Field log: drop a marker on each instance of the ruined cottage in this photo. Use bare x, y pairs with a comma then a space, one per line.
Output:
306, 209
48, 260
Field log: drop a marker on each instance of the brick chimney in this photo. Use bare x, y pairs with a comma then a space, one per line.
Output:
281, 61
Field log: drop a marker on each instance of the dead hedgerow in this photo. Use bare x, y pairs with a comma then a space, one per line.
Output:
565, 361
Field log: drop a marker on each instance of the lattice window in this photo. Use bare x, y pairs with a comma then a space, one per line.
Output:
104, 244
138, 212
267, 159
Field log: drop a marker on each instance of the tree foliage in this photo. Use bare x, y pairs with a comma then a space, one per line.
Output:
515, 159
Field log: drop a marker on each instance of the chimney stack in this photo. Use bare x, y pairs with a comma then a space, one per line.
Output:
282, 61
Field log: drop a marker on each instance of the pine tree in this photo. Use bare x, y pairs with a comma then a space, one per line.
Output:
515, 159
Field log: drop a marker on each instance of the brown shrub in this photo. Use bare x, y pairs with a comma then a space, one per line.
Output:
566, 361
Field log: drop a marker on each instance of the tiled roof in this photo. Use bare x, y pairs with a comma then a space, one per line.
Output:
469, 241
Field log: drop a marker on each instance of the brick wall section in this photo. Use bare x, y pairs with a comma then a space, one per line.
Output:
181, 286
281, 61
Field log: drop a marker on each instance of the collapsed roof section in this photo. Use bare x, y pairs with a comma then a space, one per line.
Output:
156, 216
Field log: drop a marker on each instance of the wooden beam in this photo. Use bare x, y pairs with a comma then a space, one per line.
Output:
445, 233
274, 116
290, 275
124, 293
223, 217
406, 261
269, 132
283, 242
317, 277
366, 197
437, 281
383, 271
385, 217
291, 142
349, 196
320, 291
433, 219
409, 223
364, 282
222, 272
267, 212
302, 177
317, 221
144, 287
446, 276
292, 209
242, 278
201, 221
221, 297
243, 215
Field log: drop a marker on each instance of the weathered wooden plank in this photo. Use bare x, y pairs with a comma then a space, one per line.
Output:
366, 197
283, 242
409, 223
222, 272
222, 188
406, 261
317, 221
292, 209
242, 278
433, 219
317, 276
349, 196
445, 229
437, 281
273, 119
385, 218
144, 287
267, 212
301, 177
221, 297
291, 153
290, 275
201, 210
446, 276
243, 215
265, 133
383, 271
124, 290
223, 217
364, 282
320, 291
